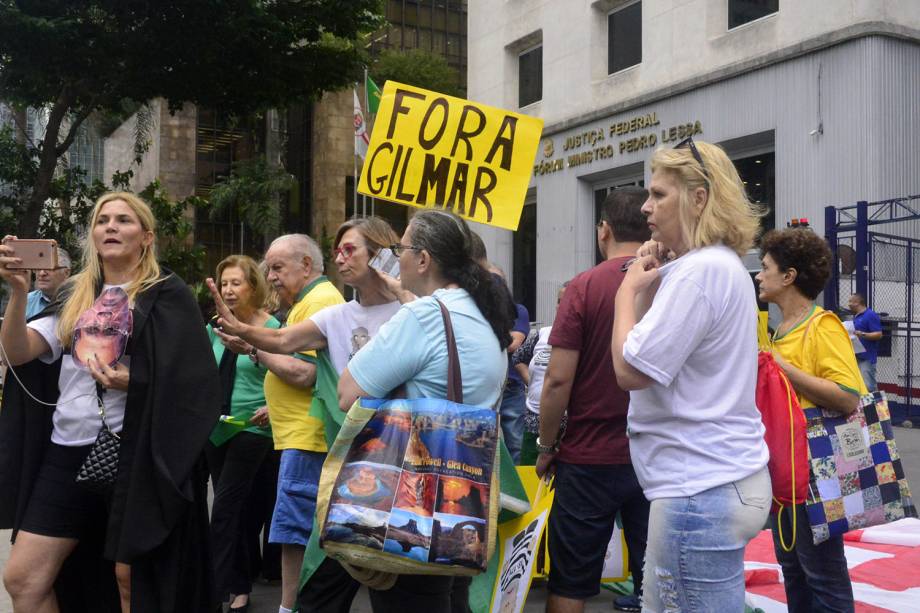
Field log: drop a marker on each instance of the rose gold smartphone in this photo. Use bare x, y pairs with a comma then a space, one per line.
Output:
35, 253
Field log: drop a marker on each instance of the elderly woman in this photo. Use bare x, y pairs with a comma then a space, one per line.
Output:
242, 439
126, 338
813, 349
411, 350
685, 344
342, 329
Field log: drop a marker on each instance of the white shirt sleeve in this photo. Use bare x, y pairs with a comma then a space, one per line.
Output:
321, 319
47, 327
678, 320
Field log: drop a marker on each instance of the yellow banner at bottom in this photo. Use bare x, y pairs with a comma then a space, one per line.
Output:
524, 554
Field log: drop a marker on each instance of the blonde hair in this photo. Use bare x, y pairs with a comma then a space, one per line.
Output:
728, 217
81, 287
253, 274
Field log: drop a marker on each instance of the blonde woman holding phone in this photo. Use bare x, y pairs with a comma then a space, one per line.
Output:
123, 350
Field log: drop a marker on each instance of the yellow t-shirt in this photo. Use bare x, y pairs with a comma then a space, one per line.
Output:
288, 405
826, 352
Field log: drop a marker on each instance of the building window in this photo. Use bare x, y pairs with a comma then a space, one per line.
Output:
530, 76
624, 37
741, 12
524, 277
758, 173
86, 152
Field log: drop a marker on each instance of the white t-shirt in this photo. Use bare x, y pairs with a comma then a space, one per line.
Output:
697, 426
537, 369
76, 420
349, 327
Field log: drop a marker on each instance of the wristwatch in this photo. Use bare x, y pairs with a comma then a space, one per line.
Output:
548, 449
254, 356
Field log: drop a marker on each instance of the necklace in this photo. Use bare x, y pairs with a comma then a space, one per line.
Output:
799, 317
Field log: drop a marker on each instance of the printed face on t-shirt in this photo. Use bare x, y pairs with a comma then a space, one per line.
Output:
103, 329
359, 338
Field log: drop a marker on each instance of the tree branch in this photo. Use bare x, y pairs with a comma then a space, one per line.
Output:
62, 148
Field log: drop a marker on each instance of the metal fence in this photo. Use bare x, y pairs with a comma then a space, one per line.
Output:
876, 249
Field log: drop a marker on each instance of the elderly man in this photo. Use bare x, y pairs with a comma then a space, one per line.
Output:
295, 270
47, 283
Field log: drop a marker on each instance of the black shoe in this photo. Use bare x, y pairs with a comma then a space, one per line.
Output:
629, 603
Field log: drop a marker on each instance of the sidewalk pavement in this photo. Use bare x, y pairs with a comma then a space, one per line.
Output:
265, 598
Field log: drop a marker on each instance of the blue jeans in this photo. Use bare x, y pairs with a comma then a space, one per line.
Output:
815, 576
694, 560
512, 417
867, 370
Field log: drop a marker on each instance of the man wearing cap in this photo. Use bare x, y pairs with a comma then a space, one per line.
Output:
47, 283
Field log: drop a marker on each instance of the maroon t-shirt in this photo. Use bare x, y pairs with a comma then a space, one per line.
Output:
596, 432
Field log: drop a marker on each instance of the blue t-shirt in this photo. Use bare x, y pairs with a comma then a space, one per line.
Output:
522, 325
411, 348
868, 321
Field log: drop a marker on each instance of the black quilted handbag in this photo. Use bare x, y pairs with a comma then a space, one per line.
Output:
100, 468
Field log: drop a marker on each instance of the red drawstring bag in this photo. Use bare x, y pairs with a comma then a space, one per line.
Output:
785, 434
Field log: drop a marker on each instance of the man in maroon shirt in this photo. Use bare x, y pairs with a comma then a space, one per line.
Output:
594, 477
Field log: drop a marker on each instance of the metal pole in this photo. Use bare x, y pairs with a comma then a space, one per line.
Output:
862, 248
832, 289
354, 187
908, 379
367, 117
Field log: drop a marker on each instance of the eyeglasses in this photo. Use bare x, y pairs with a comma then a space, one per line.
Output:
399, 248
688, 143
346, 251
600, 223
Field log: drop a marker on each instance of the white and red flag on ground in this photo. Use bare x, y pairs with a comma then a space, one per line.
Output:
883, 563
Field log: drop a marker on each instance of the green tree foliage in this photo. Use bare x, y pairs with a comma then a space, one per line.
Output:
18, 170
175, 225
419, 68
255, 189
76, 57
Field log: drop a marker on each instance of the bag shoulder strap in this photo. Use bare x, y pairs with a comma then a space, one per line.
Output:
806, 348
454, 377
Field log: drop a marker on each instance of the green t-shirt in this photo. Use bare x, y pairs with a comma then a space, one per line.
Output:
248, 392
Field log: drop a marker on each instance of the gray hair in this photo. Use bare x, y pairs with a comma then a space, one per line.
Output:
302, 246
63, 258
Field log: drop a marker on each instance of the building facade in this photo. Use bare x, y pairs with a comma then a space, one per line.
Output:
816, 107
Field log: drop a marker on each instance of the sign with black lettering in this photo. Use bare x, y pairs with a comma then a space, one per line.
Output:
429, 150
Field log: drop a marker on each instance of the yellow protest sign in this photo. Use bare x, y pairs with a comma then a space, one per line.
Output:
431, 150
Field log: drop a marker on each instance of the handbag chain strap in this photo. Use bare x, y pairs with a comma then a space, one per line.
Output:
99, 392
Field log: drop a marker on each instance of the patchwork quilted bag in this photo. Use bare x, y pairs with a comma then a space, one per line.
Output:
857, 479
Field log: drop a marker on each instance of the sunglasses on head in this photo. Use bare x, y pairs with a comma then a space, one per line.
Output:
689, 144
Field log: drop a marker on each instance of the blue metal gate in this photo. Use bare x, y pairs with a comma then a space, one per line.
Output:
884, 265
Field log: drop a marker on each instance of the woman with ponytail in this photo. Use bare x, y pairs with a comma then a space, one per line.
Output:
410, 350
122, 354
